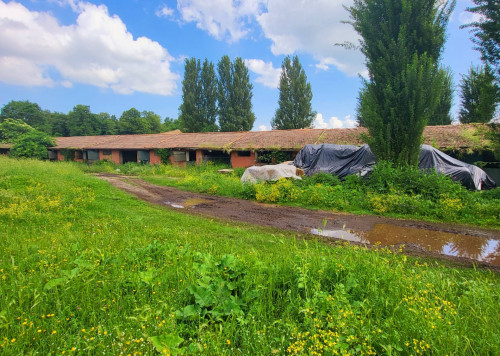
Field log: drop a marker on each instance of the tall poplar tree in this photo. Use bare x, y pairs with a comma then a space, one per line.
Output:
234, 96
441, 115
479, 95
402, 41
198, 109
208, 97
294, 104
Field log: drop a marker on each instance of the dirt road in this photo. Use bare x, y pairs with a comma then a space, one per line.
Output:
455, 242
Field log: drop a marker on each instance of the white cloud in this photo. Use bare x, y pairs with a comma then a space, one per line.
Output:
293, 26
349, 123
466, 17
222, 19
267, 74
333, 123
312, 27
96, 50
164, 11
263, 128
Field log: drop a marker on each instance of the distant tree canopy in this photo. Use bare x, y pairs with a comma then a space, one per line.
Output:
479, 95
133, 122
12, 129
29, 112
234, 96
294, 104
486, 32
402, 41
80, 121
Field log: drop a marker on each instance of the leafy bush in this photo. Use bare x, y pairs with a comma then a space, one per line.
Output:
321, 178
164, 154
32, 145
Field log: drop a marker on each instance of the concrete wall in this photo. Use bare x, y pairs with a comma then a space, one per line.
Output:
238, 161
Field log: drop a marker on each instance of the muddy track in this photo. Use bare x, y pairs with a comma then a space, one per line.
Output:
460, 243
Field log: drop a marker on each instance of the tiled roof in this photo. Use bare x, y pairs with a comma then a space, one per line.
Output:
443, 137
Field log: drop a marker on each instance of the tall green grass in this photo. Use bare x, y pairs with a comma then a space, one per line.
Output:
86, 269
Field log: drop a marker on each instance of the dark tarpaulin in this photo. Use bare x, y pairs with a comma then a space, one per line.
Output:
343, 160
469, 175
339, 160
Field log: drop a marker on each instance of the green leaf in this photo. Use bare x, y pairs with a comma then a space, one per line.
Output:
147, 276
166, 342
54, 283
188, 311
203, 296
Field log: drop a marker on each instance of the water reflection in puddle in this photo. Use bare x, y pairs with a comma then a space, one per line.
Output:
338, 234
188, 203
174, 205
474, 247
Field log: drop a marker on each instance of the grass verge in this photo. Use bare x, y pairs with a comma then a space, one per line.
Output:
87, 269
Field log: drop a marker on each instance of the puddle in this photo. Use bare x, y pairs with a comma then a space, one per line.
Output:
338, 234
174, 205
188, 203
474, 247
193, 201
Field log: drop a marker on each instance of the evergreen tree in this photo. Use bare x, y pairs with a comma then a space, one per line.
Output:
234, 96
479, 95
198, 109
294, 111
487, 32
441, 115
402, 41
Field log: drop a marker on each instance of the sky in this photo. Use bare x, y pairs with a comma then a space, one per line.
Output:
113, 55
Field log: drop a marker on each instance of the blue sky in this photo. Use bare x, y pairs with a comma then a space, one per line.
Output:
118, 54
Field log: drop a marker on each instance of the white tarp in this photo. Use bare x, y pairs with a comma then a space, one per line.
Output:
256, 174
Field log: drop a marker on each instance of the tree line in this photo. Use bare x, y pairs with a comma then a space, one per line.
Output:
222, 101
407, 87
80, 121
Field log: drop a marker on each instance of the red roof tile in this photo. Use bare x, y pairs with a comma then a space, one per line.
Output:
444, 137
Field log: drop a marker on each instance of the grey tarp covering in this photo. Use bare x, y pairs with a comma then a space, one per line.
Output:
469, 175
343, 160
339, 160
256, 174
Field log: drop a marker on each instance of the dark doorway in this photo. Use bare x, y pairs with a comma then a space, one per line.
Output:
219, 157
129, 156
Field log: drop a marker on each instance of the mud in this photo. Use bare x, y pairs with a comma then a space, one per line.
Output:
459, 243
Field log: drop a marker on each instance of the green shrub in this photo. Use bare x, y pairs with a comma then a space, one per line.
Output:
32, 145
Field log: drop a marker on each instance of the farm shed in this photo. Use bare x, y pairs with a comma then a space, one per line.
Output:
244, 149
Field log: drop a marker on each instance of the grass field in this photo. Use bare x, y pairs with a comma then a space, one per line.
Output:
86, 269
